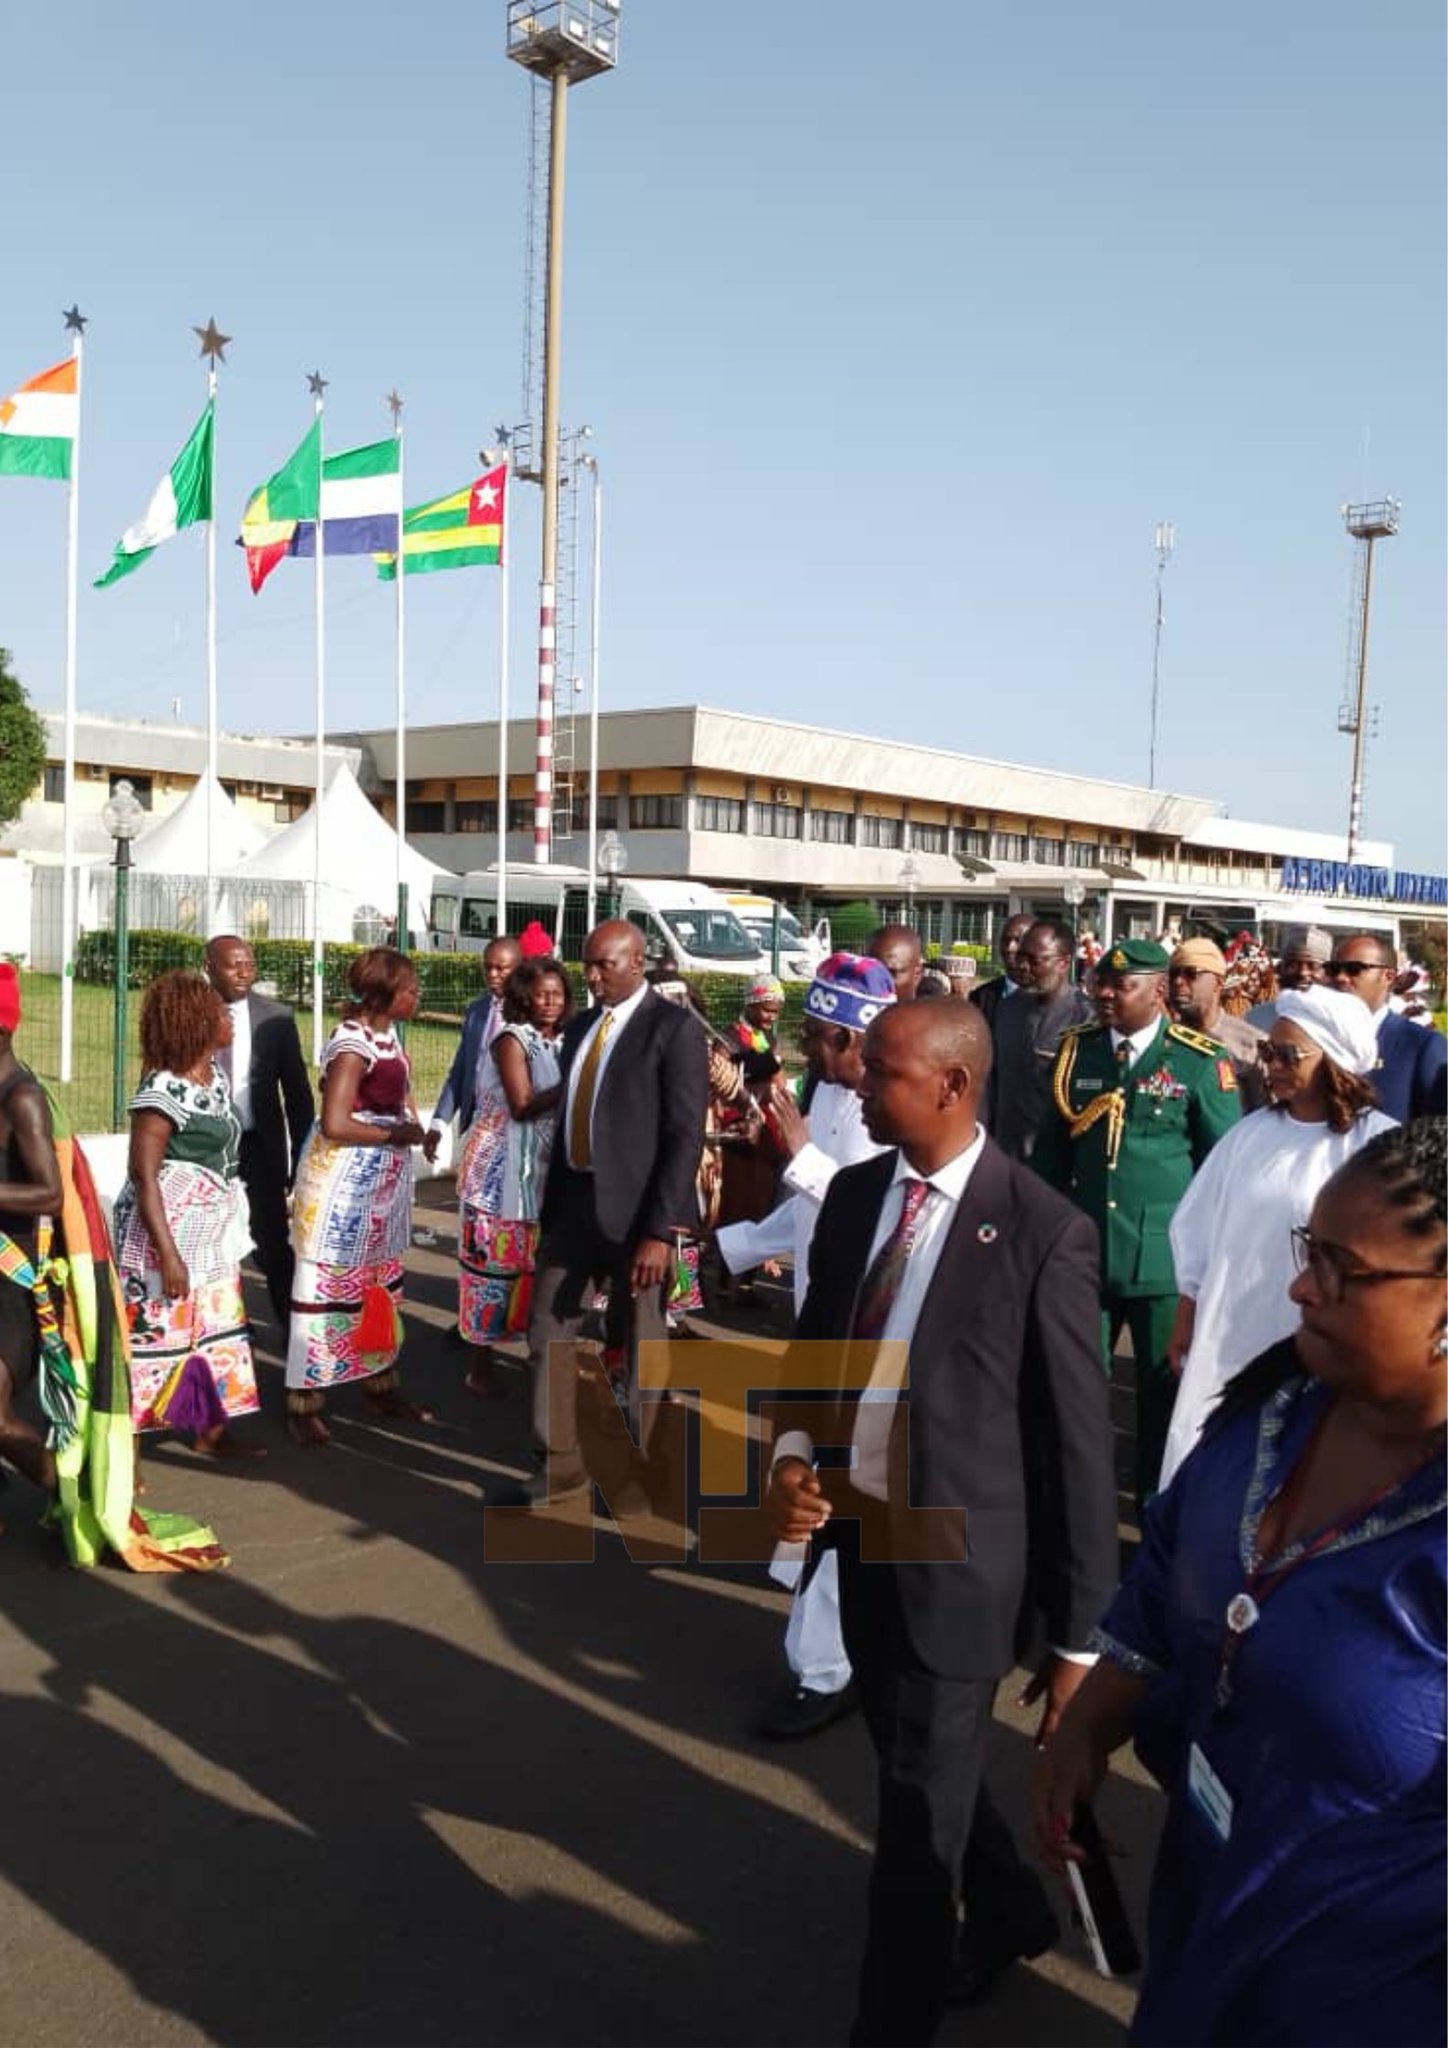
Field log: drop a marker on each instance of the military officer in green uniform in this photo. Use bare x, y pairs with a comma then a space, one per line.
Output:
1137, 1104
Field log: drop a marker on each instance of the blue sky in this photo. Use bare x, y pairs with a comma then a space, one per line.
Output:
899, 328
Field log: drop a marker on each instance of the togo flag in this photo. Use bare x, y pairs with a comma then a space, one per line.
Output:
462, 531
182, 498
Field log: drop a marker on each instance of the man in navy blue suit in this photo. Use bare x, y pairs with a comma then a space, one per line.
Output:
1411, 1077
482, 1021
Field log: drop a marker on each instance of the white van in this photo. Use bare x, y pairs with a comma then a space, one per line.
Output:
686, 919
800, 952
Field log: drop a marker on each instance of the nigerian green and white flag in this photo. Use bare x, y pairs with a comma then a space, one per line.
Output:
182, 498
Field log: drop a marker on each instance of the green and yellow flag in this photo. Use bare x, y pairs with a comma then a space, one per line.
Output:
461, 531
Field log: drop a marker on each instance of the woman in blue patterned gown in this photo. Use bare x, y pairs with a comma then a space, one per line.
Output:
1278, 1652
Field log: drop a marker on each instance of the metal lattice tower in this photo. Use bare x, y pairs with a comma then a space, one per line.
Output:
569, 680
563, 43
1367, 524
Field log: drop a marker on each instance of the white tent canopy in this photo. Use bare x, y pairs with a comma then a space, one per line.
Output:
359, 872
176, 844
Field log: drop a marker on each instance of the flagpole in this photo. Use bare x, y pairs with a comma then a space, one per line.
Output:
318, 385
212, 740
504, 565
403, 932
68, 892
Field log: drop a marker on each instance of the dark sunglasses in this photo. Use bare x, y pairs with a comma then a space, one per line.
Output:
1356, 967
1283, 1055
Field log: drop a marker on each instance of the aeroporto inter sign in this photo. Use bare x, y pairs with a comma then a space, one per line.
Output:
1355, 878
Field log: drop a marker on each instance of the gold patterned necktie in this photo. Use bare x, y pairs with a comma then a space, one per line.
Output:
580, 1122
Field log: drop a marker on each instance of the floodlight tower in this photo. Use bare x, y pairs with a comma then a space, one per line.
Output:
564, 42
1367, 524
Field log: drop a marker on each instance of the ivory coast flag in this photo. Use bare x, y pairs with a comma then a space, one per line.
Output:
462, 531
39, 423
182, 498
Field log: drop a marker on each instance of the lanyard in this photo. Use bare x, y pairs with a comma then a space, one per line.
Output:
1244, 1609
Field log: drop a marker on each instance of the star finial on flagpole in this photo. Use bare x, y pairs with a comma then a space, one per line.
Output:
394, 405
75, 321
317, 383
502, 435
213, 342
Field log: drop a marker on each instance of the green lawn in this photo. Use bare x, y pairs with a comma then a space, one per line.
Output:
87, 1098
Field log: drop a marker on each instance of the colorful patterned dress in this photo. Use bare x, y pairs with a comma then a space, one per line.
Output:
500, 1189
206, 1212
351, 1224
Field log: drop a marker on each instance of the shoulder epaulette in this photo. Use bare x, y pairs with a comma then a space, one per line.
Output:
1211, 1048
1080, 1030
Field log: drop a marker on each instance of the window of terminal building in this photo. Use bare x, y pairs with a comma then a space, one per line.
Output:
472, 814
655, 813
53, 788
1051, 853
779, 821
140, 784
834, 828
879, 831
976, 844
287, 809
1009, 846
719, 814
1082, 853
520, 814
929, 838
426, 816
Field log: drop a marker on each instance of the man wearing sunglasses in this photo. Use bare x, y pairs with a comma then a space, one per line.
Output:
1411, 1077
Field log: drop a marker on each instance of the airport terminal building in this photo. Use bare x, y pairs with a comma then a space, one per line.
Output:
952, 842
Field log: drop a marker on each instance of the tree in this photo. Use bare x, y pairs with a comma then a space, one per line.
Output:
23, 745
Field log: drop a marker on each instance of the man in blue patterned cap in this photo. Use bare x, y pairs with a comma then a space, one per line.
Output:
849, 990
1137, 1104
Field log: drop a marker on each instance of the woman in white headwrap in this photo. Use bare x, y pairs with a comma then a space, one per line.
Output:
1231, 1237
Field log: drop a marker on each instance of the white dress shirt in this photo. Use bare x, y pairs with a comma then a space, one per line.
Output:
877, 1402
239, 1059
837, 1138
1139, 1041
621, 1015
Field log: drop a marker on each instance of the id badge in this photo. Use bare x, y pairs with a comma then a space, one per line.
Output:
1208, 1794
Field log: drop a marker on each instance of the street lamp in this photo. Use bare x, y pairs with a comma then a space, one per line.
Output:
122, 816
909, 882
590, 463
1074, 892
612, 860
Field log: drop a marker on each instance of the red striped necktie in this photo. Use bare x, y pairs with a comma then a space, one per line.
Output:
887, 1268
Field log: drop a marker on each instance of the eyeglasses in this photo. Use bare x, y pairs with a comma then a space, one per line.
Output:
1332, 1267
1289, 1056
1353, 968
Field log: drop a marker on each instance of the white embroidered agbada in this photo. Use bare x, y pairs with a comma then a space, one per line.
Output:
1231, 1242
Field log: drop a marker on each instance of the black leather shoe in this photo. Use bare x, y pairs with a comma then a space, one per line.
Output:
981, 1962
801, 1712
539, 1490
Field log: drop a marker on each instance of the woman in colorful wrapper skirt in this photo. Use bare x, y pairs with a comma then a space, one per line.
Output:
181, 1226
505, 1160
352, 1206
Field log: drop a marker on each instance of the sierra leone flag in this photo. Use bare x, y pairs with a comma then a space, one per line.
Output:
182, 498
361, 502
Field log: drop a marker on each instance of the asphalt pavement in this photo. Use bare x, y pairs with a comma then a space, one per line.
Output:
366, 1788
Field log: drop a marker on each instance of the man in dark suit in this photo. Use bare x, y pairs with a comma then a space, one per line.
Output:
989, 1280
1411, 1077
621, 1185
273, 1101
991, 994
